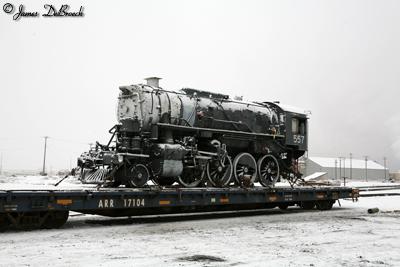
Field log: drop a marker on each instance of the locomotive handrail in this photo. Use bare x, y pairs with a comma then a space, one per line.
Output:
207, 153
134, 155
230, 122
183, 128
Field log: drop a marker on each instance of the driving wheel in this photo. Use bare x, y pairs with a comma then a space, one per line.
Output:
245, 169
191, 176
219, 171
268, 170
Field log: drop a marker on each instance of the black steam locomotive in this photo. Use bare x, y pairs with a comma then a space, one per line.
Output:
196, 138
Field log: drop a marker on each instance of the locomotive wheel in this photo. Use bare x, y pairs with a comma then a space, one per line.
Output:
245, 169
191, 177
268, 170
219, 172
137, 176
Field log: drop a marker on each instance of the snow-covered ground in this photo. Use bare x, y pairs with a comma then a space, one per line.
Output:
344, 236
40, 182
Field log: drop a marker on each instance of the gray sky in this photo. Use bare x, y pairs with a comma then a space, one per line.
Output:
339, 59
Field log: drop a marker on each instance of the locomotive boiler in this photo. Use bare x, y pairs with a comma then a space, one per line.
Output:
196, 138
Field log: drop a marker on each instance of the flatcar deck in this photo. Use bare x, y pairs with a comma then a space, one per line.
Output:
49, 208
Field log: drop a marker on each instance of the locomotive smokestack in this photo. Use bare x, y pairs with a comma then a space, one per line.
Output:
153, 81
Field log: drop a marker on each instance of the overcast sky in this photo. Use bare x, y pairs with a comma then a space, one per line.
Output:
339, 59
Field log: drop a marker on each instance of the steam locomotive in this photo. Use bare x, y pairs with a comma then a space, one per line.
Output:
196, 138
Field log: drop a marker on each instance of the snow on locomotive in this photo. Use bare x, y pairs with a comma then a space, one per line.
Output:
196, 138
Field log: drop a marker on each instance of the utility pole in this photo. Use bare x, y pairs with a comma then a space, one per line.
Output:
335, 169
1, 163
44, 155
351, 166
366, 168
384, 164
340, 168
344, 167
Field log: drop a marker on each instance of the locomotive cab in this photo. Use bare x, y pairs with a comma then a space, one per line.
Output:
296, 130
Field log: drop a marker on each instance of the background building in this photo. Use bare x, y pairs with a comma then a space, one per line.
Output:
395, 176
354, 169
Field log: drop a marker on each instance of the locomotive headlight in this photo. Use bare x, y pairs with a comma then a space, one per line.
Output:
120, 158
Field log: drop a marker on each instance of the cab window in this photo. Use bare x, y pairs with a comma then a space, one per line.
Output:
295, 126
302, 128
298, 126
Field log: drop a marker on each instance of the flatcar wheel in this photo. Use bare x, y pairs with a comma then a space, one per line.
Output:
137, 176
283, 206
55, 219
191, 177
268, 170
219, 171
307, 205
325, 204
245, 169
4, 223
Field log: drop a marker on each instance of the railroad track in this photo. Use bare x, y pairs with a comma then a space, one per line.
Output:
379, 188
379, 195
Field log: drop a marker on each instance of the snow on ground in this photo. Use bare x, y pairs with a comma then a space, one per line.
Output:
41, 182
344, 236
371, 184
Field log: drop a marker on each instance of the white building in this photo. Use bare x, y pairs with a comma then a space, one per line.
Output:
354, 169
